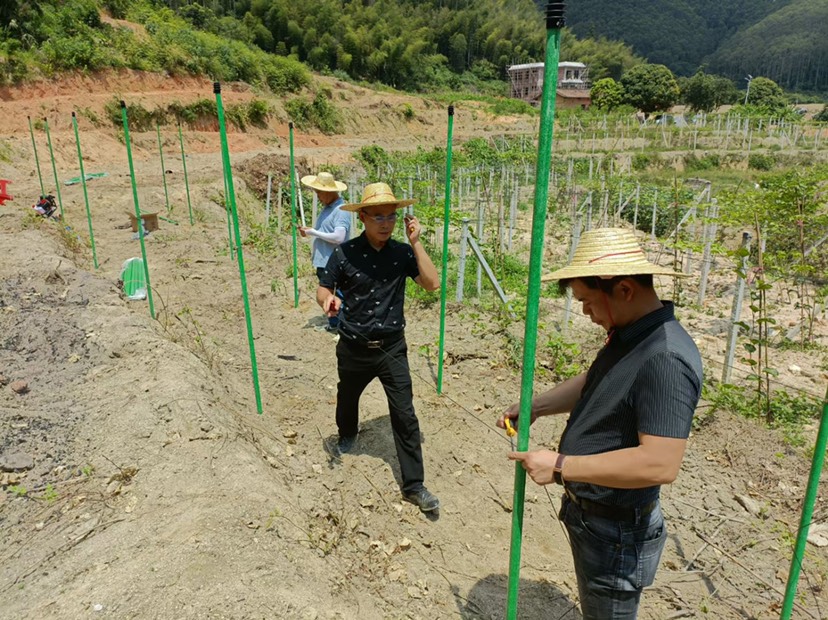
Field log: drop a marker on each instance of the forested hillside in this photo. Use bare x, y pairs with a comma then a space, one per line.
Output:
785, 40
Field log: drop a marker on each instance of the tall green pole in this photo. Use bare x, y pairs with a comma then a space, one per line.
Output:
807, 512
163, 167
227, 213
186, 180
54, 167
443, 277
37, 160
228, 174
85, 193
554, 23
293, 220
137, 207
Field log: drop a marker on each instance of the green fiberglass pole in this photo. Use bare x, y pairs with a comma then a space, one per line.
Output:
54, 167
227, 213
443, 277
163, 167
137, 207
554, 23
293, 220
807, 512
37, 160
228, 175
85, 193
186, 180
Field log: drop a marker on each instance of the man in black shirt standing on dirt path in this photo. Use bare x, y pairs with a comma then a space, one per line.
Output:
631, 414
371, 272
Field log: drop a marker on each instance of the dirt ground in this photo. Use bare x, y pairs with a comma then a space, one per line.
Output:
139, 481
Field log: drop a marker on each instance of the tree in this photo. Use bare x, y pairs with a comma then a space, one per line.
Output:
607, 94
650, 88
705, 93
765, 93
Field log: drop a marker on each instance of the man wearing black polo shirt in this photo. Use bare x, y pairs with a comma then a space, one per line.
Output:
371, 272
630, 416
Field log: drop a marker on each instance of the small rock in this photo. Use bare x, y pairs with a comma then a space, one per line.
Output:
206, 427
98, 607
3, 380
16, 461
794, 369
818, 535
74, 358
289, 434
749, 504
39, 525
19, 387
404, 544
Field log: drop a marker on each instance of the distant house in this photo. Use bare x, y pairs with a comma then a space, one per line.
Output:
526, 82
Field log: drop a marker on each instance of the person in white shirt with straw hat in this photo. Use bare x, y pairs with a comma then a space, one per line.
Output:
332, 226
630, 416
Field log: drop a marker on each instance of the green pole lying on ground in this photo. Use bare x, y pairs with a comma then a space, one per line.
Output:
54, 167
293, 220
37, 160
443, 277
807, 512
186, 180
554, 23
85, 193
228, 175
163, 167
137, 207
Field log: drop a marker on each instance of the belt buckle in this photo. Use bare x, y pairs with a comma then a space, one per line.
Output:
374, 344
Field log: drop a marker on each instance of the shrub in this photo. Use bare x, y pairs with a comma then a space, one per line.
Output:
706, 162
320, 113
759, 161
512, 106
642, 161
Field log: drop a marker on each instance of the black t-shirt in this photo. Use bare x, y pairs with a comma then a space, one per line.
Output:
372, 284
647, 379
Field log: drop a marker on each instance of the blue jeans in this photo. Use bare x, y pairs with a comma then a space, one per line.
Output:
614, 560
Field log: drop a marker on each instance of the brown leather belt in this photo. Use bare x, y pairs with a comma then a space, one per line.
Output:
626, 514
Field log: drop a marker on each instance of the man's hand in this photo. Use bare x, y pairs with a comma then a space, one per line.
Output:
303, 230
512, 413
331, 305
412, 228
539, 464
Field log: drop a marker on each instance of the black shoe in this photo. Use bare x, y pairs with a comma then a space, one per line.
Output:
424, 499
345, 445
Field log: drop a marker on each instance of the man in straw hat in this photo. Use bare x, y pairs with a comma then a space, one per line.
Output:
630, 416
371, 272
332, 225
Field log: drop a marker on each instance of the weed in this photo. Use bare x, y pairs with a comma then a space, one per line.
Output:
17, 490
5, 151
87, 470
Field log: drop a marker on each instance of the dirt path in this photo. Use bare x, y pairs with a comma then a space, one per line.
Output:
157, 491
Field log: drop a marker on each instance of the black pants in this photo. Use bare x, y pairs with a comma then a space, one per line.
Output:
358, 366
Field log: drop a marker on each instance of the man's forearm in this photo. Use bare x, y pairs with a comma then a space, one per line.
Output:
560, 399
428, 272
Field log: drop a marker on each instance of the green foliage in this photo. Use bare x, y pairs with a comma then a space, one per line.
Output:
567, 359
650, 88
760, 161
605, 58
372, 158
253, 112
643, 161
5, 151
695, 163
504, 107
822, 116
607, 94
766, 94
320, 113
705, 93
17, 490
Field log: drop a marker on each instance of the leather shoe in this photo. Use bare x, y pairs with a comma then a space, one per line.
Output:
424, 499
345, 444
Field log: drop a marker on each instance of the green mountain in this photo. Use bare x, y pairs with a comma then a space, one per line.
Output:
785, 40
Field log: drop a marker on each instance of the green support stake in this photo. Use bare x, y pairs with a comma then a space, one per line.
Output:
54, 167
85, 193
186, 180
554, 23
228, 175
227, 213
807, 512
293, 220
37, 160
137, 207
443, 277
163, 167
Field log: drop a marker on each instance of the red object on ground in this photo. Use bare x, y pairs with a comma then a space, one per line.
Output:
4, 194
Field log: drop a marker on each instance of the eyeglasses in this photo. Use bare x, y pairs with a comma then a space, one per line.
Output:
381, 219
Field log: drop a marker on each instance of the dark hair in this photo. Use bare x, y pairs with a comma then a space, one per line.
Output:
605, 284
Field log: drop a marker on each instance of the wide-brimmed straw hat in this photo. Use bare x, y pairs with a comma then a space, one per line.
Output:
324, 182
375, 195
606, 253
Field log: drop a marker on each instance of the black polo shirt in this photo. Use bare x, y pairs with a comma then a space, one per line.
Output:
372, 284
647, 379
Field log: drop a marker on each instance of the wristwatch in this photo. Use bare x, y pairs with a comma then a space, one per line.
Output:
557, 471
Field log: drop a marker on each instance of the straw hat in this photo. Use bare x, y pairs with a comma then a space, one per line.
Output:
606, 253
324, 182
377, 194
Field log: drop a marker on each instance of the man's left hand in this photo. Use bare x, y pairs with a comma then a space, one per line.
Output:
539, 464
412, 229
